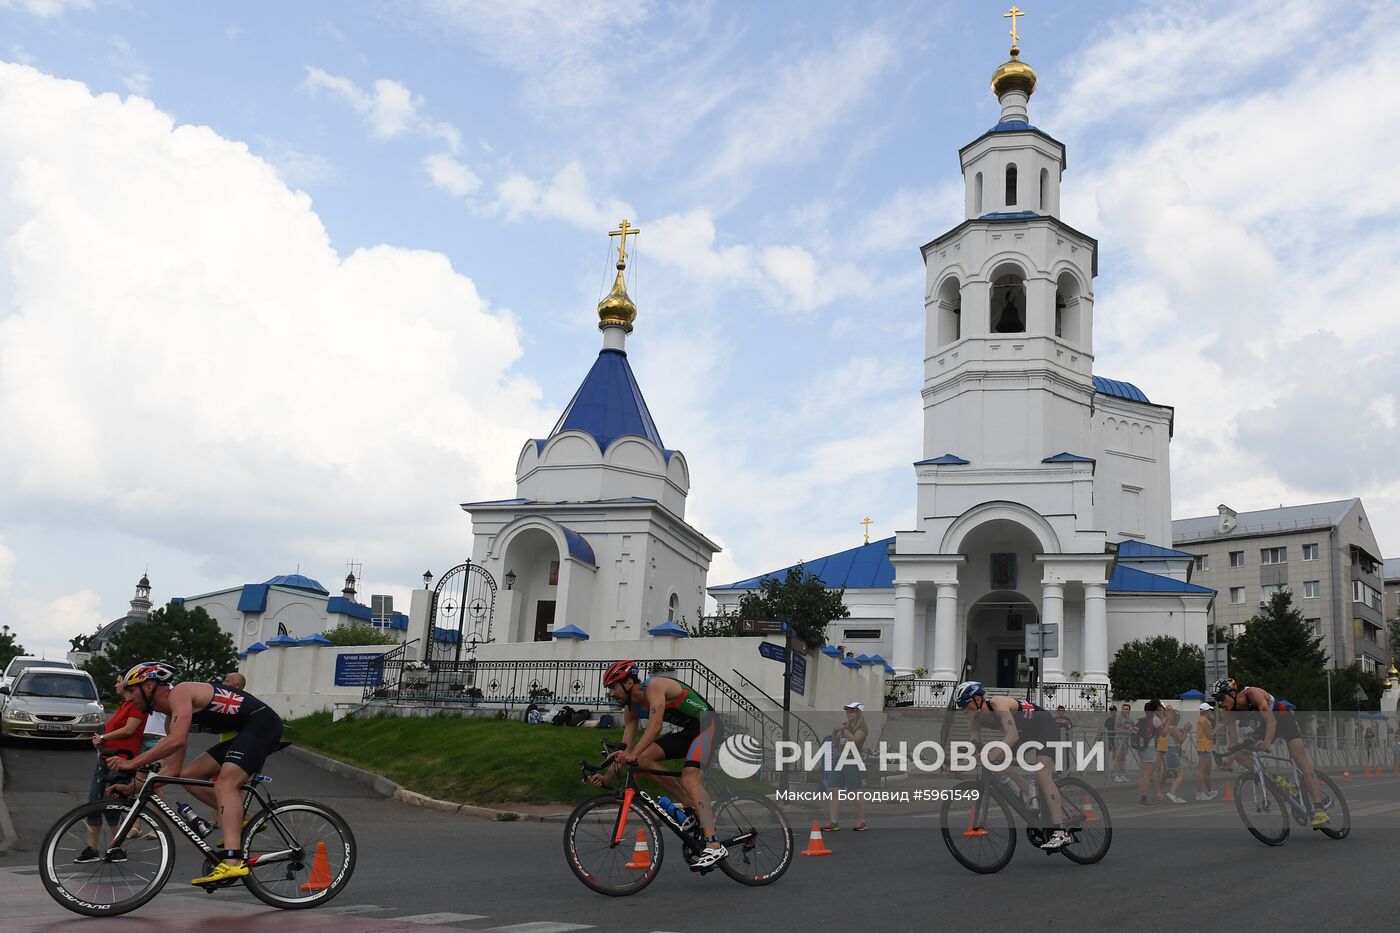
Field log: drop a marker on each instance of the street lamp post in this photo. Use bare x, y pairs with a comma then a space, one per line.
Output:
1331, 733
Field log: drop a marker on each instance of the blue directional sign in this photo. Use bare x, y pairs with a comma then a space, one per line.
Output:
771, 651
799, 673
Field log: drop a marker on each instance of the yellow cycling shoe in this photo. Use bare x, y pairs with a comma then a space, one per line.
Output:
1320, 818
224, 872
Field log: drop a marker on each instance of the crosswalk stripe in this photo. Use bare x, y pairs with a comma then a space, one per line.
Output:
443, 917
540, 926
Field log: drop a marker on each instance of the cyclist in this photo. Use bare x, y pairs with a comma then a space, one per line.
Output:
230, 763
1274, 719
661, 699
1021, 722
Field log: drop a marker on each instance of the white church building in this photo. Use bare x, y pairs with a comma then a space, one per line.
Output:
1044, 492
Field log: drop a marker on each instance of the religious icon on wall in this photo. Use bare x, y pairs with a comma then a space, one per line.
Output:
1003, 571
1013, 622
554, 573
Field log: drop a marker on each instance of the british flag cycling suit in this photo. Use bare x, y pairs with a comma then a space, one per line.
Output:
1285, 723
258, 727
699, 726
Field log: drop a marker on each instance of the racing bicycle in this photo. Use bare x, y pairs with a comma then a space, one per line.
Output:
301, 853
979, 830
1267, 798
614, 845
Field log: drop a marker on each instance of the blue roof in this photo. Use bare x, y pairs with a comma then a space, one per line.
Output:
945, 460
253, 598
281, 641
1119, 389
831, 651
866, 567
1066, 457
609, 404
298, 582
1131, 580
1013, 126
1140, 549
579, 547
343, 606
571, 631
1009, 215
255, 647
316, 639
669, 628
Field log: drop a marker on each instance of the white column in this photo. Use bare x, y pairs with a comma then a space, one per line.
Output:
946, 663
920, 636
903, 628
1052, 612
1095, 631
419, 612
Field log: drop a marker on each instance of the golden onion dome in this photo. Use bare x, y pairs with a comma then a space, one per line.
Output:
617, 308
1014, 75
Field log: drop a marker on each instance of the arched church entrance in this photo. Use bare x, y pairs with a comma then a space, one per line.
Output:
1001, 581
996, 639
533, 556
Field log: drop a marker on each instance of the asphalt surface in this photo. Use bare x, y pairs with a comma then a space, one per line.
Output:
1167, 867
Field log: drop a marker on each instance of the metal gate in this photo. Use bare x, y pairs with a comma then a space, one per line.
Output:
464, 603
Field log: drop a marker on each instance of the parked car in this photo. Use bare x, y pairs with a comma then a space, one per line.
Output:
50, 703
23, 661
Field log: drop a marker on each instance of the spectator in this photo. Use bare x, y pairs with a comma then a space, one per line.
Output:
851, 733
1370, 745
1148, 755
1205, 747
120, 737
1169, 752
1120, 730
1064, 722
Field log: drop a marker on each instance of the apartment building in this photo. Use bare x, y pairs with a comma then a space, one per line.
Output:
1391, 577
1325, 554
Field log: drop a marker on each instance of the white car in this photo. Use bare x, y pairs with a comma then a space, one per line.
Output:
23, 661
50, 703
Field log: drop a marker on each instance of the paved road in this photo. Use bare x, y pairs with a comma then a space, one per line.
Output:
421, 867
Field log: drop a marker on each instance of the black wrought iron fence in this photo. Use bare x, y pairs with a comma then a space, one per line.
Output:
384, 672
934, 694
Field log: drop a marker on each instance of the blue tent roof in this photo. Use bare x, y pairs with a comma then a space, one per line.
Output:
866, 567
1132, 580
297, 582
1192, 694
1119, 389
1140, 549
609, 404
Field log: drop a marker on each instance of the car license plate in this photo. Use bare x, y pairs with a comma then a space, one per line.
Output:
53, 727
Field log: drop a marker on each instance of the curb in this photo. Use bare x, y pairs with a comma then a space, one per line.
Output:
8, 836
387, 788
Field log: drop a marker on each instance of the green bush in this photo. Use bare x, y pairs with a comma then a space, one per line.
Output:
358, 633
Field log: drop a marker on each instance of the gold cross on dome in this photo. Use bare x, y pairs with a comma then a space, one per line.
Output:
1012, 14
624, 231
867, 523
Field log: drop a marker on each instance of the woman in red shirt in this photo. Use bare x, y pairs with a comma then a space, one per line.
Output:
120, 737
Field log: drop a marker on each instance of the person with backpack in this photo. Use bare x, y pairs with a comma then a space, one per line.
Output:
1144, 741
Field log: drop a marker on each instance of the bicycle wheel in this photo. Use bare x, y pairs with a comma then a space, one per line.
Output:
767, 852
104, 888
1088, 820
1336, 807
300, 854
613, 869
1262, 808
977, 829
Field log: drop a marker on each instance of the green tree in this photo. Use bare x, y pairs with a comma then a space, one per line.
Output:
720, 625
9, 647
800, 599
358, 633
1156, 668
190, 640
1278, 652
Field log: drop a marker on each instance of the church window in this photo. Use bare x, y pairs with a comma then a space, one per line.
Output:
1011, 185
862, 634
977, 195
1044, 186
671, 610
1008, 305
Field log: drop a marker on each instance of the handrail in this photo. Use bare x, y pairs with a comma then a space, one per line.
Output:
773, 701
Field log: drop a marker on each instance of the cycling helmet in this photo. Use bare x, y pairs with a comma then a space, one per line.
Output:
1222, 687
965, 692
618, 672
158, 671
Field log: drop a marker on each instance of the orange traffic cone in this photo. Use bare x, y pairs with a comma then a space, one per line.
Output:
1395, 770
816, 845
320, 871
641, 853
1366, 771
972, 828
1346, 777
1229, 795
1090, 815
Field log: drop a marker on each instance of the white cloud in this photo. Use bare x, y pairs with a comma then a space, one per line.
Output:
299, 169
566, 197
135, 76
390, 108
229, 385
46, 9
450, 175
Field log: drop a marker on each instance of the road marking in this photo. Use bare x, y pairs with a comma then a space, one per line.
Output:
352, 909
444, 917
26, 870
540, 926
1371, 811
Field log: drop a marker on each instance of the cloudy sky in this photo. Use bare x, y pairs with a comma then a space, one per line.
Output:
283, 284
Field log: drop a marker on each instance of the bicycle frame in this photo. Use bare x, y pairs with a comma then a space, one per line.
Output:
252, 791
986, 786
1302, 808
